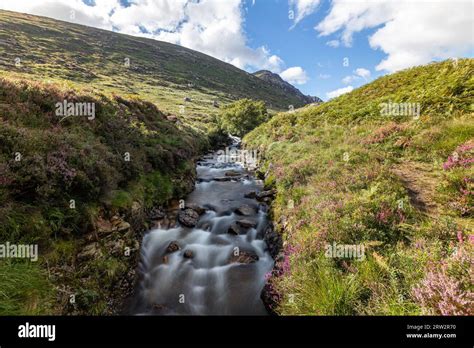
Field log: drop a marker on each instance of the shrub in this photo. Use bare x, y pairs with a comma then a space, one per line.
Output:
241, 117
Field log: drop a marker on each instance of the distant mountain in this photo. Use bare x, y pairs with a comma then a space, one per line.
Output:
276, 81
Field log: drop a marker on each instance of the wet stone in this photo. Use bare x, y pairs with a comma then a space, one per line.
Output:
245, 210
188, 254
197, 208
245, 257
232, 173
223, 178
265, 194
172, 247
251, 194
234, 229
246, 223
188, 217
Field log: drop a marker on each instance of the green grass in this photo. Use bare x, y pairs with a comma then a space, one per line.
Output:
345, 166
24, 289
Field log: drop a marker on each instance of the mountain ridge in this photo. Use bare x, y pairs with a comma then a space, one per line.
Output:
154, 70
278, 82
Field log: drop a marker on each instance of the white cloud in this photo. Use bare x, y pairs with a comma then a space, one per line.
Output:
409, 32
66, 10
333, 43
359, 73
302, 8
324, 76
364, 73
295, 75
348, 79
213, 27
340, 91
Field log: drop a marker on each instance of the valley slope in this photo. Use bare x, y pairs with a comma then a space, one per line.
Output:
40, 48
359, 171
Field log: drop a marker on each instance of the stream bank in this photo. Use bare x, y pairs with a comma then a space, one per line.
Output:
208, 254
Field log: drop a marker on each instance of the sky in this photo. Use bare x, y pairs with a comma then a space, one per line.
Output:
323, 47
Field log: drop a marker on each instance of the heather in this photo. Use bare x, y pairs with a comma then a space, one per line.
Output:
401, 186
60, 176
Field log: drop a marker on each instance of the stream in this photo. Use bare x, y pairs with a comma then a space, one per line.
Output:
218, 266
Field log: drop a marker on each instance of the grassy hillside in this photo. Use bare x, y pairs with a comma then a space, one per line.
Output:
401, 186
47, 161
158, 72
116, 167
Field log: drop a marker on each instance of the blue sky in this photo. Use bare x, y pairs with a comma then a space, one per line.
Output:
367, 38
267, 23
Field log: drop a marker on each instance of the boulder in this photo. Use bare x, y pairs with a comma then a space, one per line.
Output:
196, 207
245, 210
188, 217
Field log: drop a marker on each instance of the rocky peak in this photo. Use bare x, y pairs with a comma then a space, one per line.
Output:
278, 82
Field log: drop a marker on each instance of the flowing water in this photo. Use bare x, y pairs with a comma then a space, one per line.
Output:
214, 280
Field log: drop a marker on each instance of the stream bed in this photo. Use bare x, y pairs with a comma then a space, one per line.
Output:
212, 259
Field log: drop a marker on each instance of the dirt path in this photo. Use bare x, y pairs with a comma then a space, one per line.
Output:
420, 182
